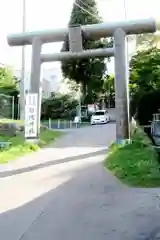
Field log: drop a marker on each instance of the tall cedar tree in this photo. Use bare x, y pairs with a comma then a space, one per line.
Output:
87, 72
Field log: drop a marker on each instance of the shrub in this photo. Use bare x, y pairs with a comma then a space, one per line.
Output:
135, 164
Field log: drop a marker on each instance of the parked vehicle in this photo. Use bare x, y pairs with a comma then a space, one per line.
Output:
100, 117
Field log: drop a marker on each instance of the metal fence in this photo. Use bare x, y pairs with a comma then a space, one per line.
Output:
7, 106
63, 124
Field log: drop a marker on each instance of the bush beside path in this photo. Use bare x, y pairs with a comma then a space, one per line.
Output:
20, 147
135, 164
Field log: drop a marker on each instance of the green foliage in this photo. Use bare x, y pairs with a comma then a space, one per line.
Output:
148, 104
7, 82
59, 106
144, 77
145, 70
109, 90
87, 72
20, 147
147, 40
8, 89
135, 164
73, 86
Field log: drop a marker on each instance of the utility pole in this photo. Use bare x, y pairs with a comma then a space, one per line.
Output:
22, 89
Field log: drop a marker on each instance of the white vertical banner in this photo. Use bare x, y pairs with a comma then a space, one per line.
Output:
31, 121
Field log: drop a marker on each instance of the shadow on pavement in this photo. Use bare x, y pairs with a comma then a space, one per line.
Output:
52, 163
89, 206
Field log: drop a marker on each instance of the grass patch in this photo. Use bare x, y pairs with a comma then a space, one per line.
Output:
47, 136
135, 164
20, 147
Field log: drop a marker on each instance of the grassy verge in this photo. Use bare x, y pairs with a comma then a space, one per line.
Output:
135, 164
19, 147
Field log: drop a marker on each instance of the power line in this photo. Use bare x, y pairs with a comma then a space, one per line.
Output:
85, 4
89, 7
83, 9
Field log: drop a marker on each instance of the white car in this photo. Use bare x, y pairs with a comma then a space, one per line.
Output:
100, 117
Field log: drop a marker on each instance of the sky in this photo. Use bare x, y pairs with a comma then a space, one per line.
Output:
48, 14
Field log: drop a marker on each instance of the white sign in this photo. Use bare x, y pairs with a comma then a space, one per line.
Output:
31, 105
77, 119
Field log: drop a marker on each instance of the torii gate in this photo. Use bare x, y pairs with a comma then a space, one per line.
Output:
118, 30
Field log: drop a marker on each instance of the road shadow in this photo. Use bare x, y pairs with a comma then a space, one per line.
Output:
52, 163
91, 205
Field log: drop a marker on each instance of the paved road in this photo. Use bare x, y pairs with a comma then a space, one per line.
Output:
64, 193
